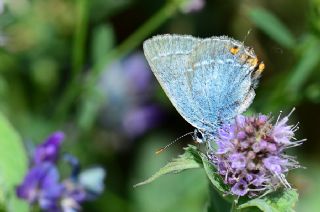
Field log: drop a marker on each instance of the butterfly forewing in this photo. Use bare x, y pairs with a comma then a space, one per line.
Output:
205, 81
168, 56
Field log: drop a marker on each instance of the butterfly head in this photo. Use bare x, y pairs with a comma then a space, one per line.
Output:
200, 136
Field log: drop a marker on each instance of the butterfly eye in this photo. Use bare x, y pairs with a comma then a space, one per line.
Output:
198, 136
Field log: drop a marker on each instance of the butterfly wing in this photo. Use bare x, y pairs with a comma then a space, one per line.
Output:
168, 56
221, 81
206, 83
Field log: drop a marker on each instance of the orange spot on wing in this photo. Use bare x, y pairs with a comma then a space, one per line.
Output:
253, 61
261, 67
259, 70
234, 50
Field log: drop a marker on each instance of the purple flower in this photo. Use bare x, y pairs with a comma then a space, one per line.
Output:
240, 188
274, 164
73, 196
86, 186
282, 133
127, 86
238, 161
126, 80
223, 146
41, 185
139, 120
49, 150
137, 73
250, 154
190, 6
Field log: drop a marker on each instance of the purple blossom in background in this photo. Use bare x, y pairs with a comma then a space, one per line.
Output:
128, 88
49, 150
250, 154
190, 6
139, 120
42, 186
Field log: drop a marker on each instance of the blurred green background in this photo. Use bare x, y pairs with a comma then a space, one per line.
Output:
77, 66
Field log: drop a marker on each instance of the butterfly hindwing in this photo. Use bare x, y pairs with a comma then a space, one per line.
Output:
221, 81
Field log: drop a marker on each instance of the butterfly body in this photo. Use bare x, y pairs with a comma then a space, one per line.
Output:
209, 81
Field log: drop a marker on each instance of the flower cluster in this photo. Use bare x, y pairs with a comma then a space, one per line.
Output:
250, 154
42, 186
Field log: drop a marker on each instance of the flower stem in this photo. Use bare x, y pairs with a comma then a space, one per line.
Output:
79, 37
34, 208
233, 207
140, 34
76, 86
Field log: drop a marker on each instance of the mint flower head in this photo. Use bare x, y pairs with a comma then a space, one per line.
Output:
250, 154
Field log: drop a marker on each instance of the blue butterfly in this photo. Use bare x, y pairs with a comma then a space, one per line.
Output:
209, 81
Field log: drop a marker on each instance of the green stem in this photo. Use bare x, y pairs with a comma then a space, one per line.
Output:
233, 207
34, 208
80, 37
75, 87
78, 54
139, 35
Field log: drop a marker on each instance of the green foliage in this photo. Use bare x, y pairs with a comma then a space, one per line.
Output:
272, 26
307, 63
102, 43
278, 201
186, 191
189, 160
13, 165
212, 174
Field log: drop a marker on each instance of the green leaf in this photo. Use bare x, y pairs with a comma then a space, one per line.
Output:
279, 201
272, 26
188, 160
13, 166
192, 158
103, 42
92, 99
307, 63
91, 102
186, 191
216, 201
213, 175
215, 178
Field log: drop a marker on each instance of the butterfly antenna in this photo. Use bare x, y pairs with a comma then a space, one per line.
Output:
247, 35
173, 142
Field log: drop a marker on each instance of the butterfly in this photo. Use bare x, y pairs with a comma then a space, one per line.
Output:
209, 81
